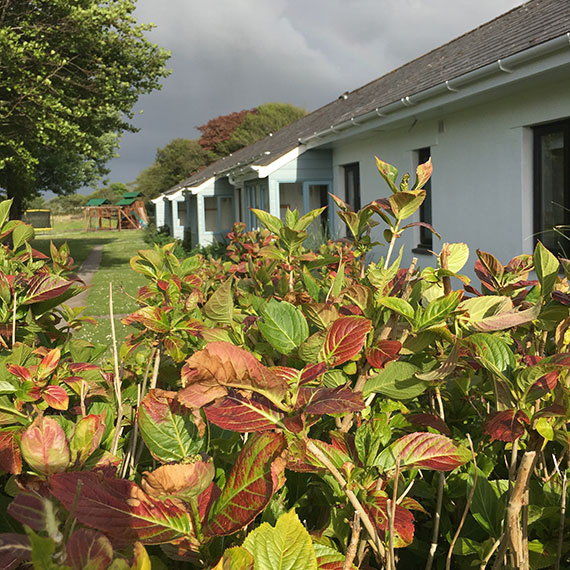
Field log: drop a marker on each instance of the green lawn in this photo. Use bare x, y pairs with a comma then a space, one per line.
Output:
118, 249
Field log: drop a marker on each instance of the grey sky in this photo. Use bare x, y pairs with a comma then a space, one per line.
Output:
229, 55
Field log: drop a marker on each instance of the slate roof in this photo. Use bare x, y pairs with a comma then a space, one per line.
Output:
526, 26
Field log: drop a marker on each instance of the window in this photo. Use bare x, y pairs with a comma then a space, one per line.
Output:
256, 196
352, 185
218, 211
426, 237
552, 186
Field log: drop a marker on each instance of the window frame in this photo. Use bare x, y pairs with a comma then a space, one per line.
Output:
538, 203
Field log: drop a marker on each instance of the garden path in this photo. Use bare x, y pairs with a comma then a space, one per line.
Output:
86, 272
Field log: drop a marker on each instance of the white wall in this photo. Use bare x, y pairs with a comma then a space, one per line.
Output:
482, 180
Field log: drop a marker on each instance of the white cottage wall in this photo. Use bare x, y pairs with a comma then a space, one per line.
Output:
482, 156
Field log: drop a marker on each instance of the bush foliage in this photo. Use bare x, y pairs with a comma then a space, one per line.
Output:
405, 416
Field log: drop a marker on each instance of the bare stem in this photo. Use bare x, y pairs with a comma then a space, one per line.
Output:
117, 378
392, 244
436, 521
465, 510
391, 510
380, 550
353, 545
154, 378
564, 479
14, 321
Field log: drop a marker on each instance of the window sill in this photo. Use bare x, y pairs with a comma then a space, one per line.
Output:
422, 250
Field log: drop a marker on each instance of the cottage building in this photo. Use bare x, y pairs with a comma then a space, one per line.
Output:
492, 109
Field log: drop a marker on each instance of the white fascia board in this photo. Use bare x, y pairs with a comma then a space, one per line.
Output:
265, 171
206, 184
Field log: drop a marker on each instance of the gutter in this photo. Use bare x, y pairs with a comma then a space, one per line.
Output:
504, 65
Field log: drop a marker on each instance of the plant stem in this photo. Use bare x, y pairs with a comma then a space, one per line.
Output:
154, 378
353, 546
436, 521
564, 479
117, 378
14, 321
465, 510
350, 495
391, 510
392, 244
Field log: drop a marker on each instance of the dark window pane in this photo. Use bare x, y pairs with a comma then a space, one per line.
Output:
352, 185
426, 237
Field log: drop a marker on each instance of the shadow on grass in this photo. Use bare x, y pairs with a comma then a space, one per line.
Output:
80, 247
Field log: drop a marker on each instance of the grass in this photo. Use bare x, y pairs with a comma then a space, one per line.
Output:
118, 248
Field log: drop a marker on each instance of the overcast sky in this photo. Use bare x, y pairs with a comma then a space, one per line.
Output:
229, 55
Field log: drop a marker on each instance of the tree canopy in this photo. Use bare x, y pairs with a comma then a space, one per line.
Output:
221, 136
70, 74
179, 159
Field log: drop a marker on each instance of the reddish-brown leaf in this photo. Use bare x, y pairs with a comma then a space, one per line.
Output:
423, 450
377, 505
10, 456
429, 420
88, 548
257, 474
507, 425
24, 374
239, 413
44, 446
56, 397
321, 401
383, 352
14, 549
222, 365
179, 480
345, 339
31, 509
120, 509
45, 286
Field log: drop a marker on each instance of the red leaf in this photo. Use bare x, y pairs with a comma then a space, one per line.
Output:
153, 318
179, 480
507, 425
45, 286
384, 351
239, 413
345, 339
429, 420
120, 509
14, 549
257, 474
88, 548
55, 397
77, 367
10, 456
423, 450
321, 401
377, 508
44, 446
24, 374
313, 371
222, 365
49, 363
30, 509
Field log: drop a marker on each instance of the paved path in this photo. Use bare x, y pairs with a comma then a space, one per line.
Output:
88, 268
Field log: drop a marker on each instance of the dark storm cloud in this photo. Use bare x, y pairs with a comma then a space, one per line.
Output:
229, 55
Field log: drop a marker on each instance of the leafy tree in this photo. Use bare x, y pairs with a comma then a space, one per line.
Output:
112, 192
70, 73
67, 204
266, 119
179, 159
217, 131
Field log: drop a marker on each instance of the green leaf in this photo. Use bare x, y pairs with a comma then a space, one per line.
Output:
399, 306
5, 206
308, 219
271, 222
404, 204
220, 306
546, 266
236, 558
544, 428
493, 352
22, 233
167, 429
439, 309
283, 326
457, 256
396, 381
287, 546
389, 173
486, 507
